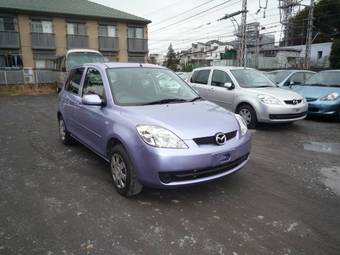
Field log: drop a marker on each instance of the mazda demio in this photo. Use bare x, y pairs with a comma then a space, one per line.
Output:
151, 126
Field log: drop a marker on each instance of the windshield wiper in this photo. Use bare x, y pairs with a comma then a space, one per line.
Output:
167, 101
196, 98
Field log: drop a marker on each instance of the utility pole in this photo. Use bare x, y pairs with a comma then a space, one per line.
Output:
286, 8
309, 35
243, 44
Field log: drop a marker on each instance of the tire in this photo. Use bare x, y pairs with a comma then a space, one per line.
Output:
123, 176
249, 115
64, 135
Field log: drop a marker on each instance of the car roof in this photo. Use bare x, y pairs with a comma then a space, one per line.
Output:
119, 65
334, 70
222, 68
292, 70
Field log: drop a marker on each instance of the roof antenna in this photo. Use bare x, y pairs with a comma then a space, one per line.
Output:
140, 65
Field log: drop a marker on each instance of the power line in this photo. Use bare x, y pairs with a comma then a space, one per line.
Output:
192, 16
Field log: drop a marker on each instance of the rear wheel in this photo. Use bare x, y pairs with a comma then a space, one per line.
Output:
123, 176
249, 115
64, 135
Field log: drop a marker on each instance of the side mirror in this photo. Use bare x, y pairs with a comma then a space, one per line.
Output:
92, 100
229, 85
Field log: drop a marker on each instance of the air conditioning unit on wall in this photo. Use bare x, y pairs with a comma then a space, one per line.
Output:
29, 75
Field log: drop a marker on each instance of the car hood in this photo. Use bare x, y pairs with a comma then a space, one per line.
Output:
315, 91
187, 120
279, 93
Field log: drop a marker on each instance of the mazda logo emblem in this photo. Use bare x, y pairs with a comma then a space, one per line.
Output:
295, 101
220, 138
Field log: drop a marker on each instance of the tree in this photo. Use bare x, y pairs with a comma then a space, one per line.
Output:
326, 23
334, 58
171, 59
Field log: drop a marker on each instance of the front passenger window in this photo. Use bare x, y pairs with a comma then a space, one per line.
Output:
220, 78
93, 84
73, 82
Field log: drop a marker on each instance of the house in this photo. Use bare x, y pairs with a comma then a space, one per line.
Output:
34, 32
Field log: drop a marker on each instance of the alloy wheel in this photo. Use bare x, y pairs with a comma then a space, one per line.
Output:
246, 114
118, 170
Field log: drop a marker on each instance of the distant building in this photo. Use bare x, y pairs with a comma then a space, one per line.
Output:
33, 33
157, 59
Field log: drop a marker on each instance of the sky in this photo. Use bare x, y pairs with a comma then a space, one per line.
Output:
170, 23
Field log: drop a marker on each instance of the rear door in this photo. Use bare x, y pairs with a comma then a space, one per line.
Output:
71, 99
219, 93
199, 81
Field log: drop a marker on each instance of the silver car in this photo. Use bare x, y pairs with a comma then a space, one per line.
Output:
287, 78
249, 93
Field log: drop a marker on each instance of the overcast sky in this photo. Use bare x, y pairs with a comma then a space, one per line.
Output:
162, 31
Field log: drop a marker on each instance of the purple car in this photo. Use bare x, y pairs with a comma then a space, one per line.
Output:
152, 134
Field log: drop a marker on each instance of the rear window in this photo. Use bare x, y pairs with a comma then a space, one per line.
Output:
200, 77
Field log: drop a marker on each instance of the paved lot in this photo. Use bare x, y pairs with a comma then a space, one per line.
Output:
59, 200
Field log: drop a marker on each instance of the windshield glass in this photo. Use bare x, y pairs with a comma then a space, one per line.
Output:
249, 78
79, 58
278, 76
143, 86
325, 79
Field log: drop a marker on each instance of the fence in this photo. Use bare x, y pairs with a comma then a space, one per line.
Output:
28, 76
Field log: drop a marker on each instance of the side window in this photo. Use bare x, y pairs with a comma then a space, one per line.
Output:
200, 77
308, 75
93, 84
219, 78
73, 82
297, 78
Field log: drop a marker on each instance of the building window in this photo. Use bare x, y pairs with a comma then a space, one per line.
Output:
136, 32
44, 59
319, 54
107, 31
39, 26
76, 29
8, 24
10, 60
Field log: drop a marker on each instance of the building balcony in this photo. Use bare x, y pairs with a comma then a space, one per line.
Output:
9, 40
77, 41
137, 45
108, 43
45, 41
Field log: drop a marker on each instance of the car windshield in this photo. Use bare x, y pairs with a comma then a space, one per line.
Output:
325, 79
147, 86
278, 76
78, 58
249, 78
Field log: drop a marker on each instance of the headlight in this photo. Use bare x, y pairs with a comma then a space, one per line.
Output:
242, 123
269, 99
160, 137
331, 97
304, 100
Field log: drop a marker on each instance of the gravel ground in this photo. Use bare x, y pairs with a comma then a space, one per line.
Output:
60, 200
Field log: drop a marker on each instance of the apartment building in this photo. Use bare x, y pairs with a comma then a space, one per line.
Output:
33, 33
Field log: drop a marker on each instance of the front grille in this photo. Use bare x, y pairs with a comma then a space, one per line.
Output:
286, 116
212, 139
180, 176
312, 109
293, 102
310, 99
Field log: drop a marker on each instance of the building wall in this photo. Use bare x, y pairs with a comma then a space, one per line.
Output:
59, 29
25, 40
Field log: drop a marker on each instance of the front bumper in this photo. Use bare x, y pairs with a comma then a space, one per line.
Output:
166, 168
324, 108
281, 113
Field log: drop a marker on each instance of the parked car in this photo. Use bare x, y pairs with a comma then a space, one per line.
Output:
322, 92
183, 75
287, 78
249, 93
151, 136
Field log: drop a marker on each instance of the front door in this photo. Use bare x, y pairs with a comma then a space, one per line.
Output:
219, 93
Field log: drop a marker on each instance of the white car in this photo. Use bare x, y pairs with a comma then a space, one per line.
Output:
249, 93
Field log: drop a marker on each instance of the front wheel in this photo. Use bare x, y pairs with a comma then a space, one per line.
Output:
249, 115
123, 176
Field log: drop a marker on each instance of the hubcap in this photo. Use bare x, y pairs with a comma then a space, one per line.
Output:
245, 113
118, 170
62, 131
